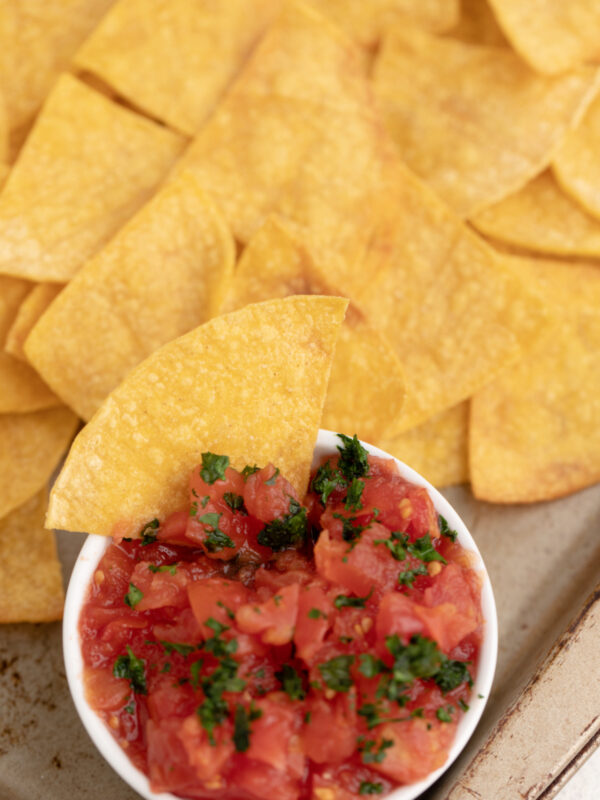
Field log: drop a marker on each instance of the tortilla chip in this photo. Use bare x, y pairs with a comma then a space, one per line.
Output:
250, 385
478, 25
535, 432
542, 218
4, 173
175, 58
87, 166
576, 165
435, 96
365, 22
31, 446
164, 273
297, 135
437, 449
366, 388
551, 36
30, 310
31, 588
438, 299
37, 41
21, 389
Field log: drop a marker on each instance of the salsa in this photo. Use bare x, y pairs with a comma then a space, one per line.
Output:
323, 645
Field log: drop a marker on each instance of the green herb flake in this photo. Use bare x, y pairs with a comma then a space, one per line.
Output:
373, 753
216, 539
370, 666
195, 668
129, 708
316, 613
272, 480
396, 544
407, 577
336, 673
445, 529
354, 494
227, 610
235, 502
344, 601
445, 714
170, 568
248, 470
325, 481
204, 501
176, 647
133, 596
451, 674
291, 682
148, 532
213, 467
368, 787
166, 667
350, 531
464, 706
241, 726
286, 532
133, 669
307, 717
353, 459
424, 550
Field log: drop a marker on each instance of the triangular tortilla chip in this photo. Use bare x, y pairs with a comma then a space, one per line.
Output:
175, 58
535, 431
553, 36
31, 588
576, 165
21, 389
478, 25
366, 388
437, 449
542, 218
435, 96
164, 273
37, 40
87, 166
366, 22
30, 310
31, 446
250, 385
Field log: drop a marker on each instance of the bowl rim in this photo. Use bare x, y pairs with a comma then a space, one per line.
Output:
326, 444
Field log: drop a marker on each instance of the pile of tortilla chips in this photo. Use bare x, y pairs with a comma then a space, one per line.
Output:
187, 193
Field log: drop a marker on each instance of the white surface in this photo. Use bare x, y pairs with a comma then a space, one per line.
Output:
327, 442
585, 784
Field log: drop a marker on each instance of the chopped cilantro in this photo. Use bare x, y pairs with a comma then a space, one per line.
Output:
195, 668
216, 539
286, 532
451, 674
277, 598
372, 754
372, 715
213, 467
248, 470
326, 480
228, 611
194, 509
241, 726
423, 549
316, 613
170, 568
368, 787
336, 673
445, 529
350, 532
354, 494
307, 717
129, 708
204, 501
235, 502
464, 706
133, 669
291, 682
166, 667
133, 596
148, 532
352, 460
444, 714
343, 601
273, 478
396, 544
371, 666
407, 577
176, 647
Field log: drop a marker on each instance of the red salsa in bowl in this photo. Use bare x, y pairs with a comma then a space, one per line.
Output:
324, 645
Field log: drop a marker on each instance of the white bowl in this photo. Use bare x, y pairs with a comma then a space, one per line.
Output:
93, 550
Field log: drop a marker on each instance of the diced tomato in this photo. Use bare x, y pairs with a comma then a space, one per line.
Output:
258, 781
315, 610
173, 528
162, 588
103, 691
402, 505
420, 747
329, 734
397, 615
168, 764
217, 599
267, 494
459, 586
345, 780
273, 620
167, 700
207, 758
186, 629
275, 740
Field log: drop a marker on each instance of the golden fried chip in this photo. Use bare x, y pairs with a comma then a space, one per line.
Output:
535, 432
473, 121
31, 587
553, 36
576, 165
297, 135
437, 449
87, 166
30, 310
37, 41
365, 22
175, 58
164, 273
31, 446
250, 385
439, 299
366, 388
542, 218
21, 389
478, 25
